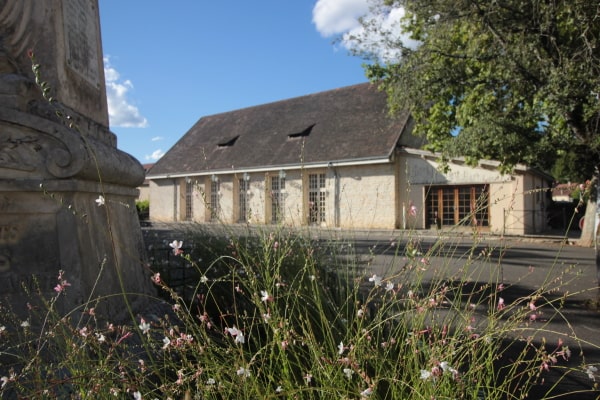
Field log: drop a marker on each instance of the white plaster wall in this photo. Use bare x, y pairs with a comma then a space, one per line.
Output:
162, 195
367, 196
144, 193
226, 199
504, 201
508, 193
199, 199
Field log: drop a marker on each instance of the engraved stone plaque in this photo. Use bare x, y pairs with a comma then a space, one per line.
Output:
81, 31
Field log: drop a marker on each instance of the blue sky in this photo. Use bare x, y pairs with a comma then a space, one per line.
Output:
169, 65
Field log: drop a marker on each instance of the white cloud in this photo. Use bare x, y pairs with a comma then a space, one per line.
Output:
155, 155
121, 112
157, 138
332, 17
342, 18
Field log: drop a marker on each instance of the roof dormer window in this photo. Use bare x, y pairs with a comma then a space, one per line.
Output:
228, 143
303, 133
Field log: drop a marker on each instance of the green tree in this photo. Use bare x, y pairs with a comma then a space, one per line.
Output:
515, 80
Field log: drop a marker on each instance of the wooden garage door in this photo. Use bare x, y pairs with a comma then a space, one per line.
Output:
466, 205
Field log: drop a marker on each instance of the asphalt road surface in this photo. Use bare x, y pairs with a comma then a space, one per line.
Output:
520, 266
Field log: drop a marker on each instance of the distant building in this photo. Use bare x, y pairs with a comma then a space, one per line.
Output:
563, 192
144, 188
334, 159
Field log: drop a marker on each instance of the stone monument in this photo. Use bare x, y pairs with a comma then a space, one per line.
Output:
67, 194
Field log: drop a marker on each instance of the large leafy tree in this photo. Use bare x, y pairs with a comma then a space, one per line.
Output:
513, 80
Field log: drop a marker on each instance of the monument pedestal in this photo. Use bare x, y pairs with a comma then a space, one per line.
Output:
56, 159
50, 218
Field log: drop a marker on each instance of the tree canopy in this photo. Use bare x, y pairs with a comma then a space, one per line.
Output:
515, 80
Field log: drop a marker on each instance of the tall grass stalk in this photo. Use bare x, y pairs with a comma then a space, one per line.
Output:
274, 313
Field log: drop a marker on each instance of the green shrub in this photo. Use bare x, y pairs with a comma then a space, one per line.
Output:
143, 208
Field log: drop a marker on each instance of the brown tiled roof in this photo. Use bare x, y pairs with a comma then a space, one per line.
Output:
349, 123
564, 189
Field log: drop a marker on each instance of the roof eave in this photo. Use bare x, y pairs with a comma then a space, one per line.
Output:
315, 165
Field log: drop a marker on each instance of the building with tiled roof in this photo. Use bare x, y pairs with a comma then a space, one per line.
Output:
335, 159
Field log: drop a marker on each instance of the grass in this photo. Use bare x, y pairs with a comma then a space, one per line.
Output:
274, 313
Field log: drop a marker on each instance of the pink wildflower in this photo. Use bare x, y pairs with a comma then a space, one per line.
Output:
62, 283
412, 209
501, 304
176, 246
61, 286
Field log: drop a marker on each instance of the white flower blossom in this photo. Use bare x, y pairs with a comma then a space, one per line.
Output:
265, 296
376, 280
446, 367
144, 326
100, 201
348, 372
590, 371
235, 332
176, 246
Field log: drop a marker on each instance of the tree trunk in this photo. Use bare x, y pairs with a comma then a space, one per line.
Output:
587, 233
596, 234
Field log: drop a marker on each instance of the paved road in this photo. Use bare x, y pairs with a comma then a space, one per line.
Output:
521, 265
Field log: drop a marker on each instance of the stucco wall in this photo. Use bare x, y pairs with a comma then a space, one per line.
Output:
162, 195
367, 196
359, 197
355, 197
516, 201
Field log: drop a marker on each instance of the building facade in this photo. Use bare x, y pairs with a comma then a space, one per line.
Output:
351, 167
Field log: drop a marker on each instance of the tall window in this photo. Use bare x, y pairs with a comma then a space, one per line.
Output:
189, 197
244, 185
316, 198
277, 198
458, 205
215, 206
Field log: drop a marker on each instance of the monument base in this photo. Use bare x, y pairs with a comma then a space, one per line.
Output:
89, 231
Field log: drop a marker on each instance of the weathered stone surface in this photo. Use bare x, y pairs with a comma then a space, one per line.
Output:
52, 174
65, 37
